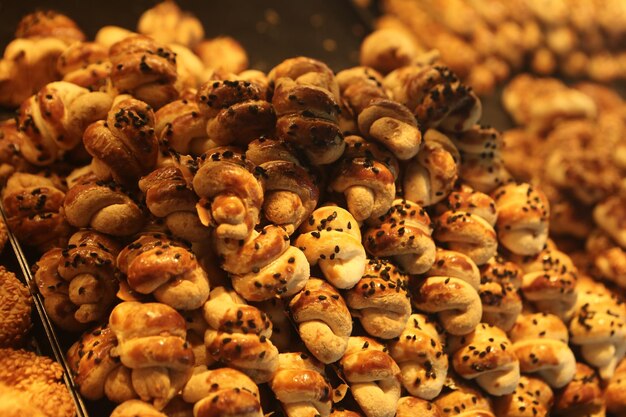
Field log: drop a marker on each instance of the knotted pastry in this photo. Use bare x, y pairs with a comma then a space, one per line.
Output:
420, 355
154, 264
331, 238
380, 300
103, 206
16, 306
48, 23
583, 396
366, 176
499, 282
55, 118
230, 194
305, 98
373, 376
133, 408
599, 326
482, 165
151, 342
180, 127
608, 258
170, 196
358, 86
300, 385
450, 289
486, 356
431, 175
33, 204
265, 265
540, 344
404, 234
85, 64
523, 218
532, 398
222, 392
239, 335
222, 54
96, 373
379, 118
167, 23
435, 96
145, 69
291, 190
609, 215
323, 320
124, 146
614, 394
416, 407
236, 111
11, 158
464, 400
464, 223
387, 49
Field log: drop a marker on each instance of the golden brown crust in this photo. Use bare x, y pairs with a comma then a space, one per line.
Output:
180, 127
167, 23
531, 398
48, 23
15, 306
465, 400
85, 64
583, 395
414, 407
132, 408
499, 282
11, 158
223, 53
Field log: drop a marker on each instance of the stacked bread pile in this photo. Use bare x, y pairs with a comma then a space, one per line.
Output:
347, 244
485, 42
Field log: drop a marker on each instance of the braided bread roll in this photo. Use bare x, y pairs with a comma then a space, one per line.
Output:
85, 64
373, 376
102, 206
523, 218
230, 194
450, 289
95, 371
222, 392
167, 23
583, 396
435, 96
499, 282
331, 239
380, 300
300, 385
323, 319
144, 68
238, 335
151, 342
181, 127
486, 356
33, 205
305, 98
379, 118
291, 189
464, 223
531, 398
431, 175
366, 176
265, 265
417, 407
236, 111
540, 343
155, 264
124, 146
420, 355
598, 326
170, 196
55, 118
404, 234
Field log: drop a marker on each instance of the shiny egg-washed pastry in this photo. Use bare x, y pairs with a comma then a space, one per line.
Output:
416, 407
387, 49
419, 352
331, 239
608, 258
239, 335
11, 158
323, 320
15, 309
404, 235
450, 289
464, 399
583, 396
151, 342
499, 282
366, 175
301, 386
180, 127
614, 394
132, 408
222, 392
532, 398
380, 300
305, 98
373, 376
85, 64
465, 222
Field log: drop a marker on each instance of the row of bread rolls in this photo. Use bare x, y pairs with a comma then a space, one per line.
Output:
485, 42
230, 237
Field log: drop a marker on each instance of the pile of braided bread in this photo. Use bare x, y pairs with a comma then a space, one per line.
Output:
225, 242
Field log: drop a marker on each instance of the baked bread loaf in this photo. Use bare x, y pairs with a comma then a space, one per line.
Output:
380, 300
419, 352
323, 320
167, 23
583, 396
404, 235
532, 398
15, 309
500, 281
373, 376
331, 239
450, 289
